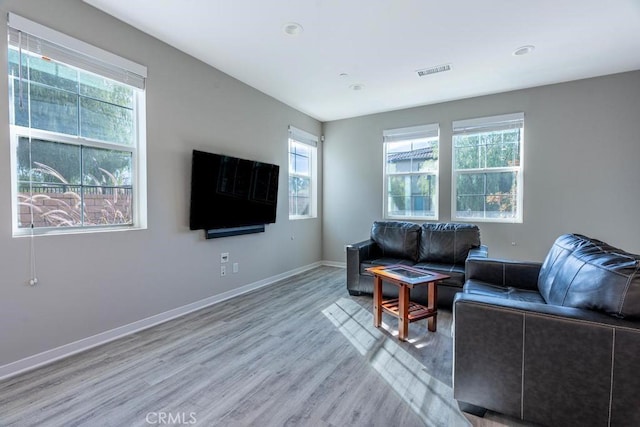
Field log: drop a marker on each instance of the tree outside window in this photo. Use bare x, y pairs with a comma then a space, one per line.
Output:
487, 169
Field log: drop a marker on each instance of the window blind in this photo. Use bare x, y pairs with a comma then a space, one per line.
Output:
302, 136
488, 124
56, 46
413, 132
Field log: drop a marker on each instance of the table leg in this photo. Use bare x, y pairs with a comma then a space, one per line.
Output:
377, 301
403, 313
432, 304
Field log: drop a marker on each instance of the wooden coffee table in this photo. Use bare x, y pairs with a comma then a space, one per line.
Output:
407, 311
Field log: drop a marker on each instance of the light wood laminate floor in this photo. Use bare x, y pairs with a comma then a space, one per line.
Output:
301, 352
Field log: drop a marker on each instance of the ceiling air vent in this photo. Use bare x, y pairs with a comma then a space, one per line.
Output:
434, 70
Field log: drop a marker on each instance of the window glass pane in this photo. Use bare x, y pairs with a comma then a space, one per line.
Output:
51, 109
52, 197
467, 157
470, 184
13, 57
301, 165
106, 90
501, 194
466, 140
470, 195
299, 206
470, 206
299, 158
109, 168
399, 147
299, 186
106, 122
107, 205
50, 206
399, 157
398, 188
423, 195
299, 195
39, 70
502, 152
424, 156
50, 162
302, 149
292, 162
490, 195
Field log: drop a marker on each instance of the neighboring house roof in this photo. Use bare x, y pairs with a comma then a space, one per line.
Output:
419, 154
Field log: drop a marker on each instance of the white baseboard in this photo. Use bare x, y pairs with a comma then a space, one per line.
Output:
49, 356
335, 264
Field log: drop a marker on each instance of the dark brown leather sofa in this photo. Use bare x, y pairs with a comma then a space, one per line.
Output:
556, 343
441, 247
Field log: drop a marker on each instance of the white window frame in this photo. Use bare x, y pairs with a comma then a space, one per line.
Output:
429, 132
87, 58
486, 125
310, 141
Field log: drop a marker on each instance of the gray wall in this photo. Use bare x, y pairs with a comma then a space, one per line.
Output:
90, 283
581, 166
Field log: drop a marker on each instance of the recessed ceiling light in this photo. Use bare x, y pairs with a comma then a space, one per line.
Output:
524, 50
292, 28
357, 86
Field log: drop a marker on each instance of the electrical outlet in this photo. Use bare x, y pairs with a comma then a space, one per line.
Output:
235, 267
224, 257
223, 270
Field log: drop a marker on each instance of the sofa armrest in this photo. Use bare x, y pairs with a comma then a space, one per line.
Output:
367, 249
480, 252
509, 355
357, 253
518, 274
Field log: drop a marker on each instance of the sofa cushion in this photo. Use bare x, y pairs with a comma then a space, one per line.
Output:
478, 287
587, 273
396, 239
447, 242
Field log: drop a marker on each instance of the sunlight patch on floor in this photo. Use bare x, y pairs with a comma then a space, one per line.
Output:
431, 399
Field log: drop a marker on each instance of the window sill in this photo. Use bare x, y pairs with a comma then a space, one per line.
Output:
299, 217
26, 232
411, 218
493, 220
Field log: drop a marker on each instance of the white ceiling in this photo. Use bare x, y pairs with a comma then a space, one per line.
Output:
381, 43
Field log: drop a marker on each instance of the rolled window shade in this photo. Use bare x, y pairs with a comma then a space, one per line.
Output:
413, 132
303, 136
36, 38
488, 124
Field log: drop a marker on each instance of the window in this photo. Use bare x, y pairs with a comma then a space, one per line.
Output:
302, 174
411, 172
487, 168
77, 133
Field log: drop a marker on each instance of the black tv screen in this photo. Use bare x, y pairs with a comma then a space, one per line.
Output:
231, 192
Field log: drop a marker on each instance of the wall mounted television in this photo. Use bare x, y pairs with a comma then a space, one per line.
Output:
231, 196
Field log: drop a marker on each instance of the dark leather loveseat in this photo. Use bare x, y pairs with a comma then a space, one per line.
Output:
556, 343
442, 247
